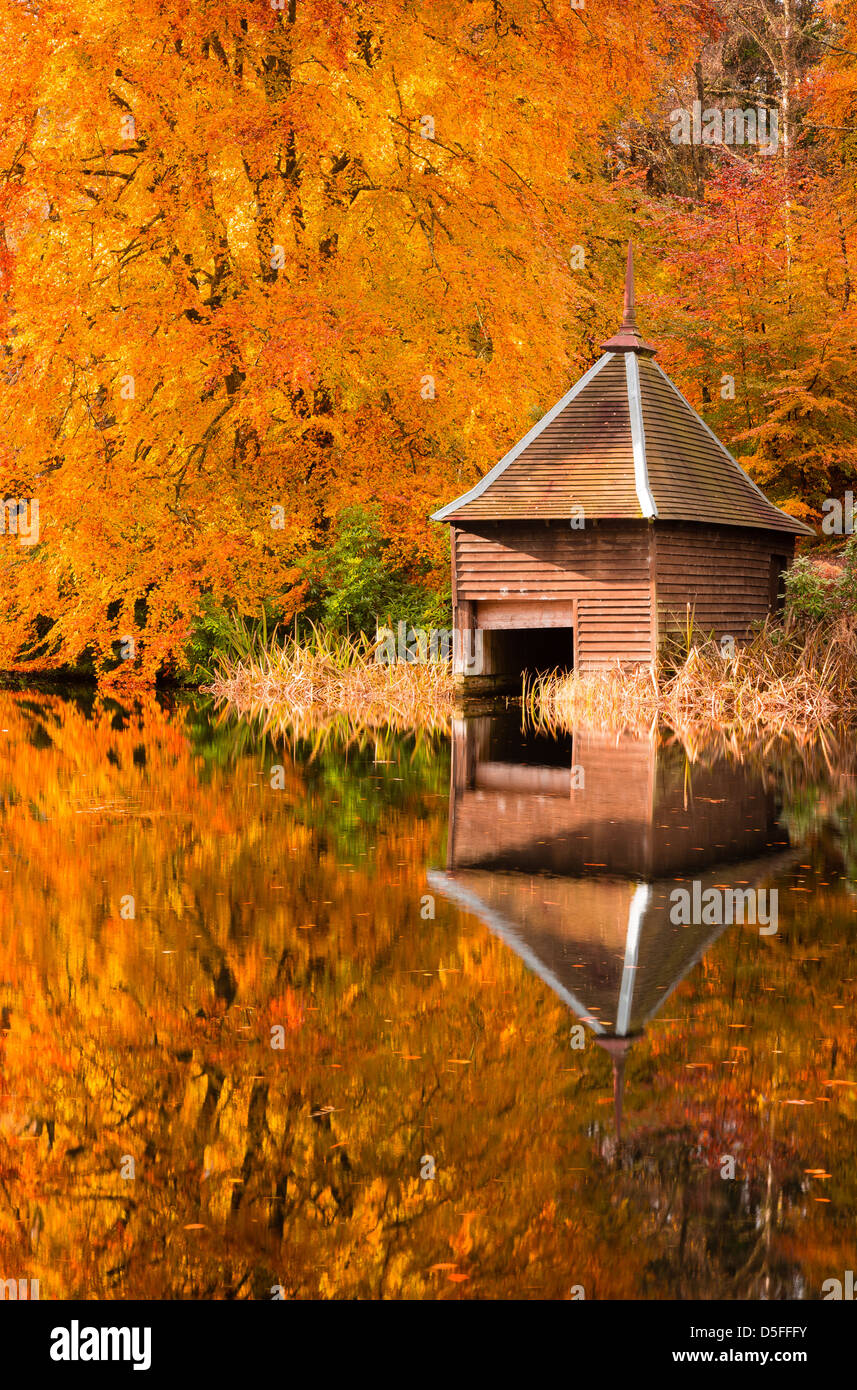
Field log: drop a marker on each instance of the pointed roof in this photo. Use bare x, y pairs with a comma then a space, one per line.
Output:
606, 947
613, 955
623, 443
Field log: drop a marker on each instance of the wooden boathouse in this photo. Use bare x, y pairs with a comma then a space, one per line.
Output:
614, 517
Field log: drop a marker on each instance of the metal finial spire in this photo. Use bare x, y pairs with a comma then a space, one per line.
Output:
629, 338
618, 1091
628, 320
617, 1048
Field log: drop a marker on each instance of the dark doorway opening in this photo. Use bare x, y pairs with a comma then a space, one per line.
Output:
777, 596
534, 650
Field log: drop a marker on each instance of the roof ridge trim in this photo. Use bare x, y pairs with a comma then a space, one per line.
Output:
807, 530
638, 437
528, 438
636, 912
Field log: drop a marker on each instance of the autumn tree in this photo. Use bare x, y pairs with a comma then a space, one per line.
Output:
262, 262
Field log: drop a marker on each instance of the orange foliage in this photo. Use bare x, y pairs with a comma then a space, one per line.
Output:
236, 242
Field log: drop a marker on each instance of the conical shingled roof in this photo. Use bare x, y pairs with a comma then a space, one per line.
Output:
623, 443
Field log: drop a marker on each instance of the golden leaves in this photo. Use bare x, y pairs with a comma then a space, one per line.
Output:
231, 274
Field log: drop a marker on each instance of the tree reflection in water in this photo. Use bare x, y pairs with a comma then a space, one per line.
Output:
408, 1036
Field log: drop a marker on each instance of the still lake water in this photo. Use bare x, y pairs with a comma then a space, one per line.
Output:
581, 1074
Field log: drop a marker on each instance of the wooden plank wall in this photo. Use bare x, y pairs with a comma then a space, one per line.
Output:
607, 568
614, 629
724, 573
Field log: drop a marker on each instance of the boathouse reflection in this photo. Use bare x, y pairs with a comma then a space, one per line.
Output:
568, 849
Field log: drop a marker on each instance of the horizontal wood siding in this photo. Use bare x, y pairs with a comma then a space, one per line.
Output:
517, 815
724, 574
613, 629
513, 561
605, 567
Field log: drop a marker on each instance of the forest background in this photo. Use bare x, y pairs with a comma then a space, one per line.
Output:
275, 283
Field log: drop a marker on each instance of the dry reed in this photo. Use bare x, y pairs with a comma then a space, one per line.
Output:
784, 680
336, 681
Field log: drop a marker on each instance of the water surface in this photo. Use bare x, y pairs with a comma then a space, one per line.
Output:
464, 948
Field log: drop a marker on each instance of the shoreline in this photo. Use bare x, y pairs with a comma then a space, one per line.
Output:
787, 679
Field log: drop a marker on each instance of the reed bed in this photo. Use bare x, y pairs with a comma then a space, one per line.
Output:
787, 680
335, 681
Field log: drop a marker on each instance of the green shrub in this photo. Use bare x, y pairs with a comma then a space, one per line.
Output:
815, 597
220, 631
809, 597
353, 585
